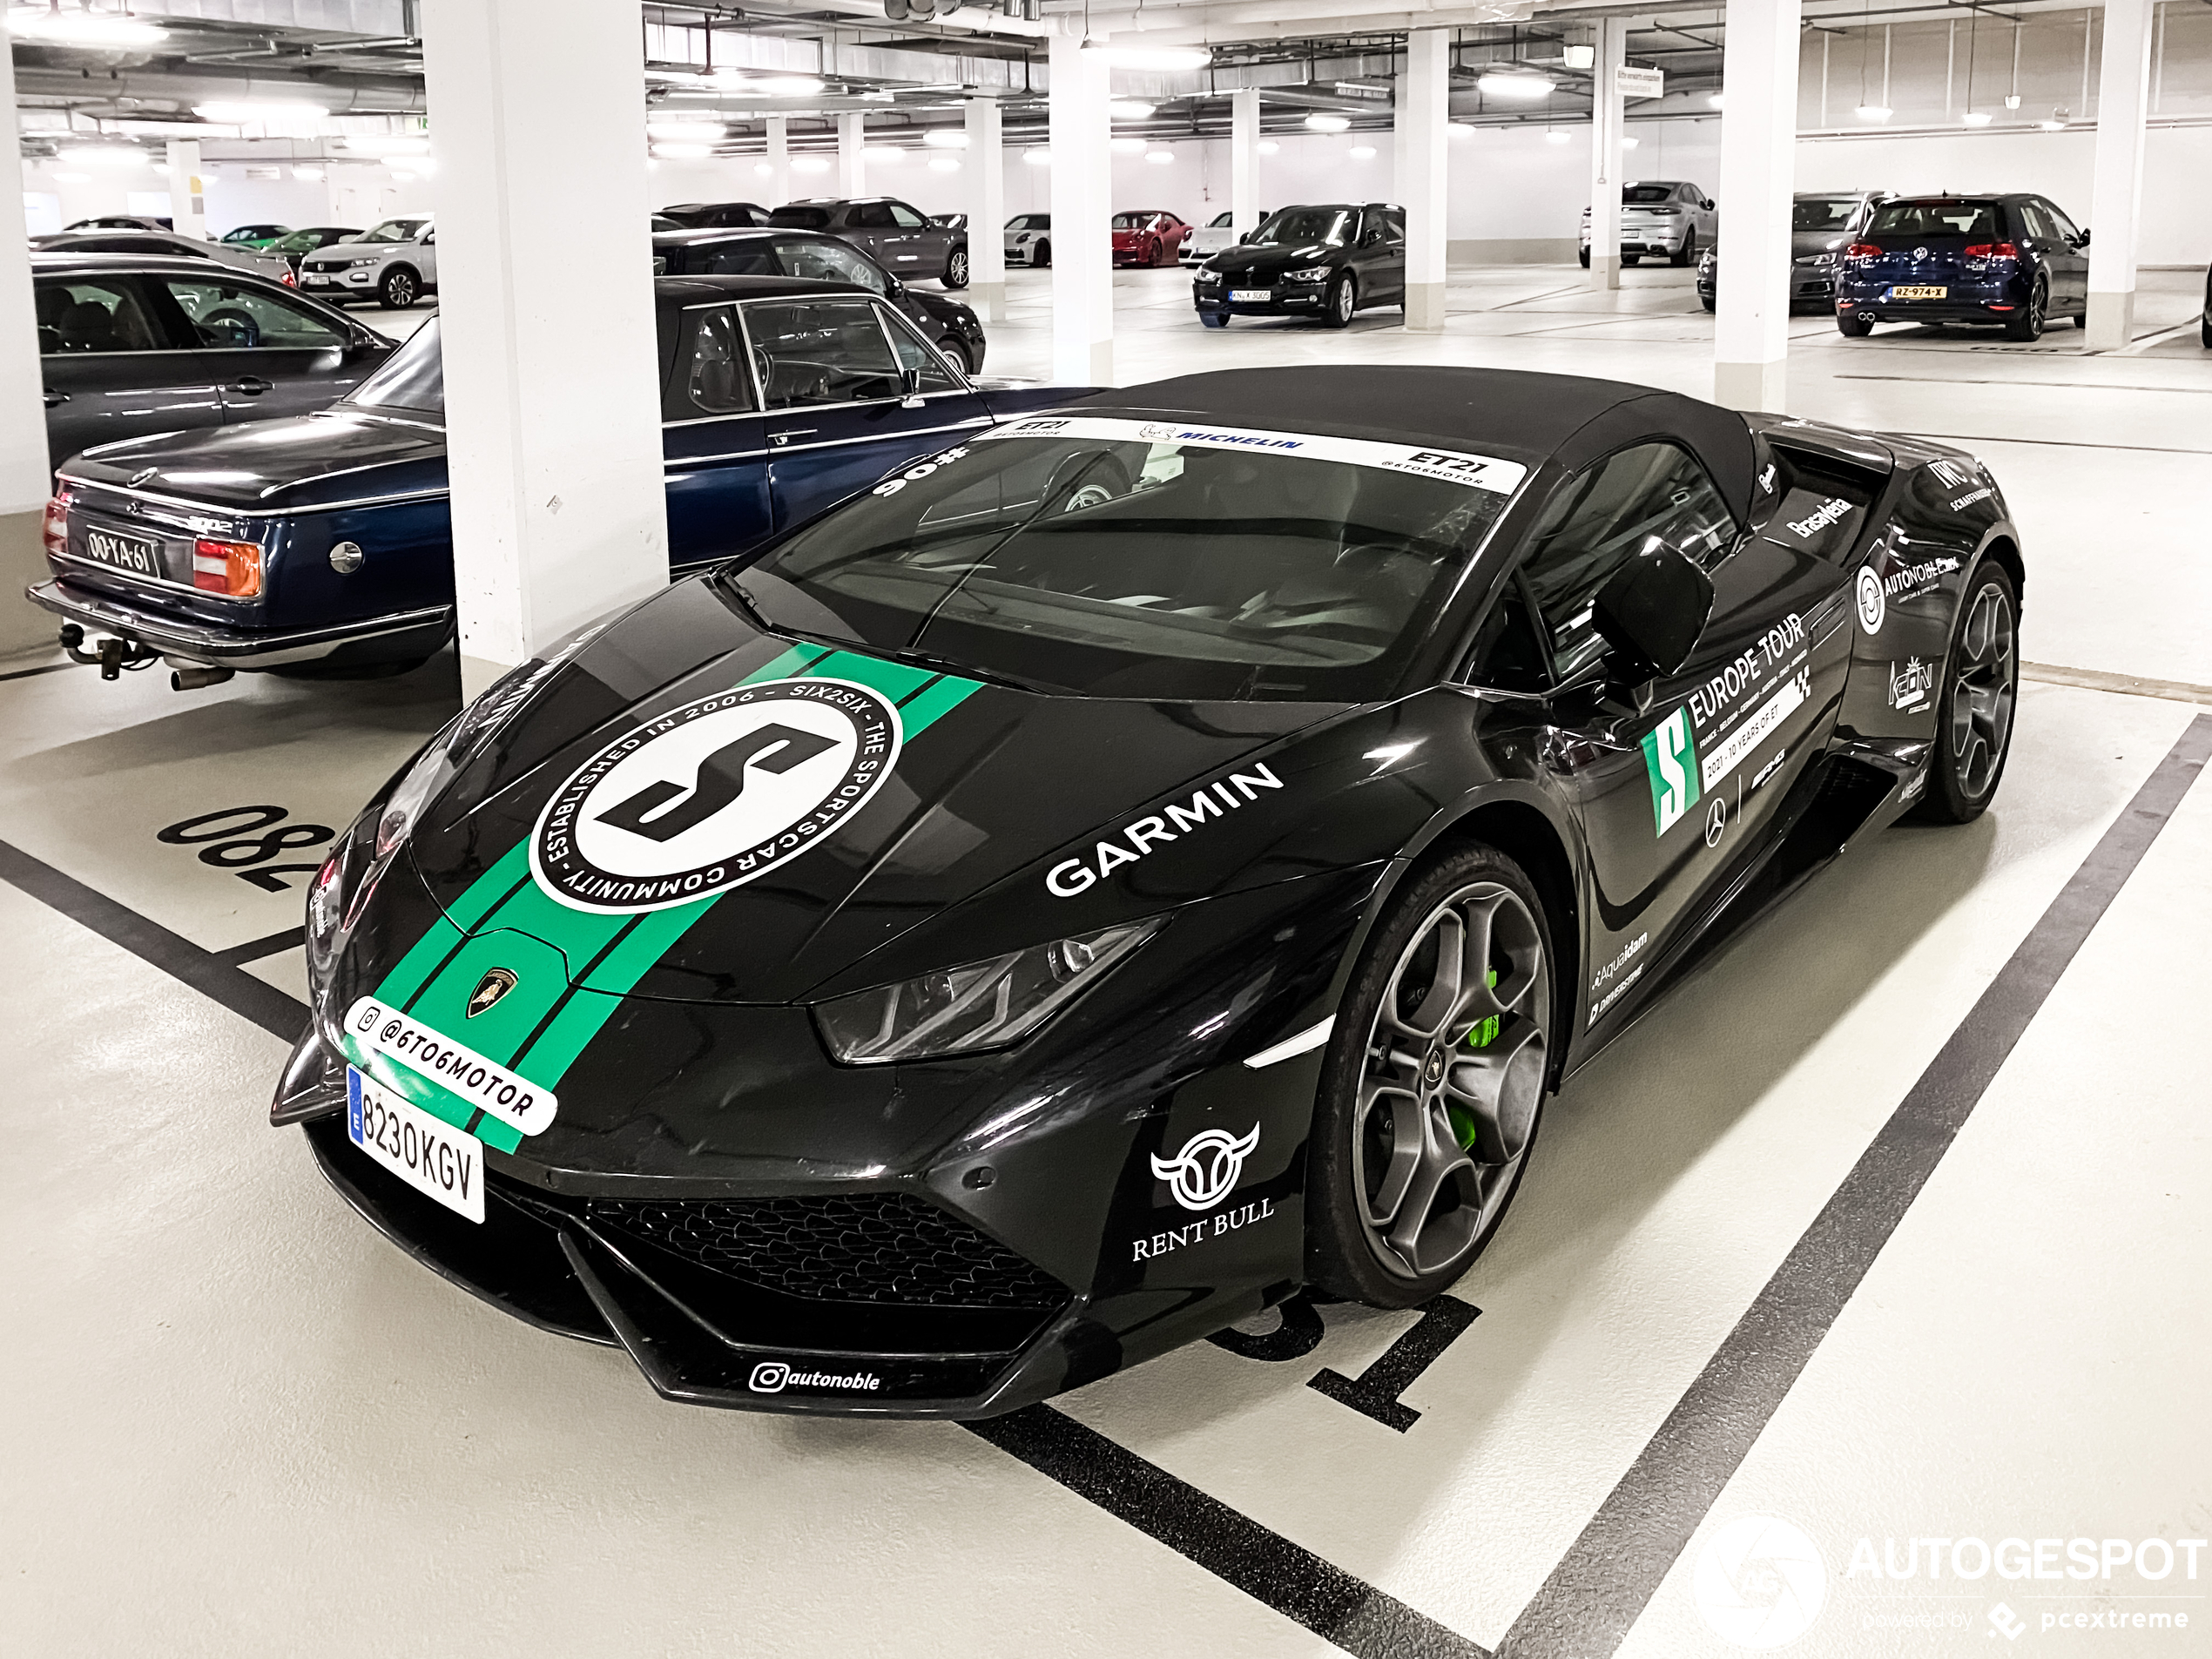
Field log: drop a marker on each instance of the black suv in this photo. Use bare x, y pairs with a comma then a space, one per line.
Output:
951, 325
899, 238
2014, 260
715, 216
1326, 262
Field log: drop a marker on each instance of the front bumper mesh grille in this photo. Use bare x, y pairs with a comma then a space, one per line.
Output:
870, 1247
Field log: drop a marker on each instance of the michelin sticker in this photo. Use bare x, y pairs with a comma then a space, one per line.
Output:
1446, 466
710, 795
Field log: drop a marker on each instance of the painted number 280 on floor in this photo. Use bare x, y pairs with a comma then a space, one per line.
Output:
435, 1158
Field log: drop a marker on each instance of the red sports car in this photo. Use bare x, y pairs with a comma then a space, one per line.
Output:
1149, 238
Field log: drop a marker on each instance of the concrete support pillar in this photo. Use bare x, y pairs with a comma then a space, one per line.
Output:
775, 190
2116, 183
1082, 253
552, 433
1606, 167
1243, 159
187, 193
986, 210
851, 153
24, 482
1424, 105
1758, 163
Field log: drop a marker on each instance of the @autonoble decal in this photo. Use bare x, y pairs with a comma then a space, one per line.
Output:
1760, 1582
708, 796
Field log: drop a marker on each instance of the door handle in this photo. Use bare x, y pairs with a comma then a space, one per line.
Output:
53, 397
795, 432
253, 386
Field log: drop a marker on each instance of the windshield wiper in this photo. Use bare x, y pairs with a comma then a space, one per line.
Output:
964, 670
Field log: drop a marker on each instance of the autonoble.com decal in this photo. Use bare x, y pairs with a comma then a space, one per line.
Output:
708, 796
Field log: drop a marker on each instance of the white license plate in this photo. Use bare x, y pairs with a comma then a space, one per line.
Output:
435, 1158
141, 555
314, 281
1261, 295
1920, 294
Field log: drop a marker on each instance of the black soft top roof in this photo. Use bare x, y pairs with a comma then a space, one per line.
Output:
1506, 413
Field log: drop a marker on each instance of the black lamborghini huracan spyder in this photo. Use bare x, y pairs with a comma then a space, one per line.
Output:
1137, 862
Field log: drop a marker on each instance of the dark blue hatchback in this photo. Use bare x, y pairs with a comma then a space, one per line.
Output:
2015, 261
323, 546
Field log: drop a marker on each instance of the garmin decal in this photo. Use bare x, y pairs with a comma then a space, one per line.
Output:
712, 794
1217, 799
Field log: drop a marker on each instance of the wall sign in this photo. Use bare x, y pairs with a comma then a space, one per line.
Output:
1639, 83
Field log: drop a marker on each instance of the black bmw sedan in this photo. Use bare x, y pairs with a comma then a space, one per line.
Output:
1326, 262
2016, 261
817, 256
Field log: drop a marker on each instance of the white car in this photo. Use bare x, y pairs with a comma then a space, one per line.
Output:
1211, 238
1028, 239
1662, 216
395, 264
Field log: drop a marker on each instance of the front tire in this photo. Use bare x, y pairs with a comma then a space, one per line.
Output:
956, 269
1040, 255
1583, 259
1433, 1084
399, 290
1342, 300
1978, 693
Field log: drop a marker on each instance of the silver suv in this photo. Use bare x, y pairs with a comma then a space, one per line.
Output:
396, 263
1661, 215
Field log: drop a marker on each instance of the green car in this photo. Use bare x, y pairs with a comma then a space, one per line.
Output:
256, 235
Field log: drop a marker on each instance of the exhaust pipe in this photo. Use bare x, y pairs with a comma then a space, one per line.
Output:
195, 677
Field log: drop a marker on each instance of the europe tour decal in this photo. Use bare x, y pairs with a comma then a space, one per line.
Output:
1750, 699
710, 795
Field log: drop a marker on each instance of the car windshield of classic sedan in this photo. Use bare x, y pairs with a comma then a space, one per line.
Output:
395, 230
411, 382
1117, 557
1299, 226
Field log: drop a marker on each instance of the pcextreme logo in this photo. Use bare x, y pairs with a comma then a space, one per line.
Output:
1670, 761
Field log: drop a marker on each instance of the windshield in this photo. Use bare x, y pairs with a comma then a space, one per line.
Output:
1220, 221
1824, 213
305, 242
1133, 221
395, 230
1934, 218
412, 380
1297, 226
1115, 557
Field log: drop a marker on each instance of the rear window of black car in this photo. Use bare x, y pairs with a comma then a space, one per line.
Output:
1934, 218
800, 219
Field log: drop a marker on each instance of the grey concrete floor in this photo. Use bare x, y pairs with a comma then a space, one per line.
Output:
234, 1420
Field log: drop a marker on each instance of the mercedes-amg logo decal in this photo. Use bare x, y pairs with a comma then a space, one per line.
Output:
1206, 1170
710, 795
495, 983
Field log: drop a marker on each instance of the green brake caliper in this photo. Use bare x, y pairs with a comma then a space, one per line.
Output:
1484, 1034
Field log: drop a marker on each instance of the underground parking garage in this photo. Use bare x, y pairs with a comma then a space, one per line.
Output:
1327, 830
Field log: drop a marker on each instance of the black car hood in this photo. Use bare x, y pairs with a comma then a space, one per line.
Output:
1267, 260
302, 462
944, 858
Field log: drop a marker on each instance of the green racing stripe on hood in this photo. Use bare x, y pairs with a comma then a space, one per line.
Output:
584, 962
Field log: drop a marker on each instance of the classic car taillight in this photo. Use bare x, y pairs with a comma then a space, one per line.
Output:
1862, 251
53, 525
1993, 251
233, 569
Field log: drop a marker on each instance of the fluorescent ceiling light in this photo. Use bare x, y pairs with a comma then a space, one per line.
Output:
1327, 123
682, 151
401, 176
1714, 99
1630, 144
944, 164
1579, 56
1159, 158
258, 111
2011, 100
1129, 146
1038, 156
1557, 137
1874, 113
1269, 147
1976, 118
1130, 109
312, 174
81, 29
1152, 57
683, 126
763, 170
1513, 83
1363, 153
945, 139
791, 86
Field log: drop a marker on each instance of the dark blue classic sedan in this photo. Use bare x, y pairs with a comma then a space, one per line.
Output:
322, 546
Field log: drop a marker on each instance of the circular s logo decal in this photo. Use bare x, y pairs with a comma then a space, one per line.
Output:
1872, 606
1760, 1582
708, 796
1204, 1173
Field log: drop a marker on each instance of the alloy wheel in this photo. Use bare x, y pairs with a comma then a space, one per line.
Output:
1451, 1080
1984, 681
956, 269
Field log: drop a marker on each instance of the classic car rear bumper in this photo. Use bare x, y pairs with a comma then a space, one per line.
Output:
399, 637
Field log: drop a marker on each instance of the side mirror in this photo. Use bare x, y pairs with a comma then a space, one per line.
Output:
2084, 240
1653, 608
1244, 237
1709, 206
910, 389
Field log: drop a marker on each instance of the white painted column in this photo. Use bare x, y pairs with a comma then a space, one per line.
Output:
1083, 254
851, 153
187, 192
1425, 103
776, 190
552, 433
2116, 183
1759, 161
1243, 159
1606, 169
986, 210
24, 483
